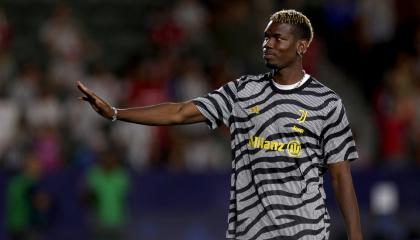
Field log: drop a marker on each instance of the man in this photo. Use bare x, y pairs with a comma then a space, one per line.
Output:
286, 128
107, 189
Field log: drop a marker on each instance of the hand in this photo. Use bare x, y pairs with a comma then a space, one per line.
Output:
99, 105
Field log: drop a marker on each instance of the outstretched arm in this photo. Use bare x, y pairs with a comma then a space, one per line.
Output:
161, 114
342, 185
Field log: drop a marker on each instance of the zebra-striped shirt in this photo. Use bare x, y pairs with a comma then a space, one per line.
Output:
282, 142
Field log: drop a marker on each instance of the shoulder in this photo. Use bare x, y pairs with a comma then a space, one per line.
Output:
252, 80
323, 90
331, 100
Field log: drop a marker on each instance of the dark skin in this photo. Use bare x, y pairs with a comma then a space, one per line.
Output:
283, 49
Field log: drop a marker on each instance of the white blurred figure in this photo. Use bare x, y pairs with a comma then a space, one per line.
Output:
66, 45
44, 119
192, 81
145, 84
89, 127
378, 26
22, 92
384, 199
192, 17
198, 151
204, 154
45, 110
24, 89
138, 141
9, 116
189, 84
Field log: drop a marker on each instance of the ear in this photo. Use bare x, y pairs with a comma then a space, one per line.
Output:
302, 47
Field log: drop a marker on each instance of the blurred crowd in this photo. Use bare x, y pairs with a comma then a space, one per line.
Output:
367, 50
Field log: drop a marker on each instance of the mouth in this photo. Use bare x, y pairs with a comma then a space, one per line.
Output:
268, 54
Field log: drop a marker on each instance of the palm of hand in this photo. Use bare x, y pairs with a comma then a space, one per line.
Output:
99, 105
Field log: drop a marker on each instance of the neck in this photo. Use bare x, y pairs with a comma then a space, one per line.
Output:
288, 75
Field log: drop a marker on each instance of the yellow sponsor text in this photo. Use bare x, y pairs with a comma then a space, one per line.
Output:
297, 129
293, 147
262, 143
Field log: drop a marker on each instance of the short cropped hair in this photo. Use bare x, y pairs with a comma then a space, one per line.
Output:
293, 17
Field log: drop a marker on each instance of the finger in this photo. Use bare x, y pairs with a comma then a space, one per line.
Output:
81, 87
87, 99
84, 89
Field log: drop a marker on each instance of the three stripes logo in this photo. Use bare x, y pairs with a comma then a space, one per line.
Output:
255, 110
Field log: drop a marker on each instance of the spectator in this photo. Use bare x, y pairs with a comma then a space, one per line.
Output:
192, 17
9, 116
67, 46
394, 106
25, 87
89, 128
6, 58
193, 148
107, 185
147, 83
18, 199
165, 33
416, 66
45, 109
47, 147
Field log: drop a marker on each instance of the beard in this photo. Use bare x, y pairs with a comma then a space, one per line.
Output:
270, 65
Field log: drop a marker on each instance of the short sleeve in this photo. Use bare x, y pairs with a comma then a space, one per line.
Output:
336, 136
217, 106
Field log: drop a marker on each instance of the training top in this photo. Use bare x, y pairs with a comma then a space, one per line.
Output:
282, 142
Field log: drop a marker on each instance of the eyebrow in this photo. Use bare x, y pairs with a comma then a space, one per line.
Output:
276, 34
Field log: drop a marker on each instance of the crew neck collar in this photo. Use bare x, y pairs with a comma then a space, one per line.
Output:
291, 88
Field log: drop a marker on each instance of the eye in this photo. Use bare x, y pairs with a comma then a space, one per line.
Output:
265, 36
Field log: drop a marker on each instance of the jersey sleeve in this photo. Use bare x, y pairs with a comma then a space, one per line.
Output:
217, 106
337, 138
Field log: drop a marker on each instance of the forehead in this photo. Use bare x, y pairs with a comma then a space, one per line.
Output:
279, 28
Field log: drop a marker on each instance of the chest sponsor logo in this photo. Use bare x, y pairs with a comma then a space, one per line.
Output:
292, 148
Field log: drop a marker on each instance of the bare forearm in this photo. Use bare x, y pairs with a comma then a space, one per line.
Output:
161, 114
347, 201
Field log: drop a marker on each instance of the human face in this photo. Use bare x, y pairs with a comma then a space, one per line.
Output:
280, 46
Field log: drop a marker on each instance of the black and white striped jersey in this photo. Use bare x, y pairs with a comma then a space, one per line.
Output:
282, 142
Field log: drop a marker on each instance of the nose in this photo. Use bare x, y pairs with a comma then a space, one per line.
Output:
267, 43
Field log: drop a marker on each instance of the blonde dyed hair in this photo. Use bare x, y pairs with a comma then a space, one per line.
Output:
301, 22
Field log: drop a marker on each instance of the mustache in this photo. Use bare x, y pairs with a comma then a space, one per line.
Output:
269, 51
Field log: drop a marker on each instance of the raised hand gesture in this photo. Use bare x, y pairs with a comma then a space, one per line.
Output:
97, 103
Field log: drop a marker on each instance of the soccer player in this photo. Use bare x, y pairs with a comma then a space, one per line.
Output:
287, 129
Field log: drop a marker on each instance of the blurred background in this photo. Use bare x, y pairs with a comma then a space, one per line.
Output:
66, 173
